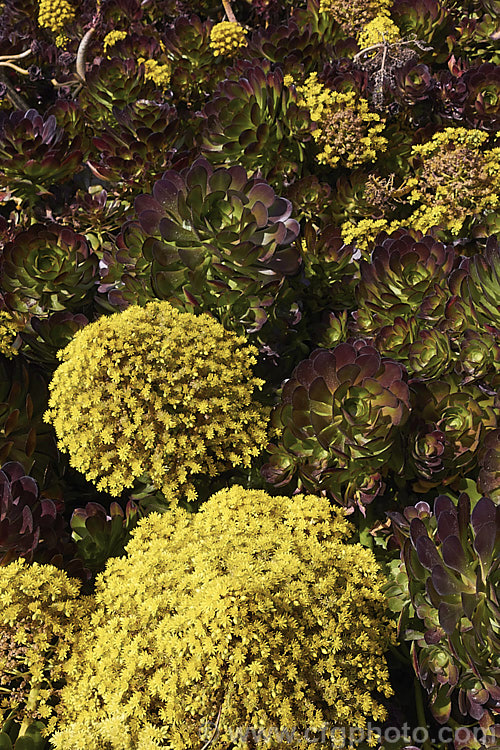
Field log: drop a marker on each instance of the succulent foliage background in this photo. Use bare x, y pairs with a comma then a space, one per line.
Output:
250, 267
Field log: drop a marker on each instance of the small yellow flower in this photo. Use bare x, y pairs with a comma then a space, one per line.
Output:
381, 29
54, 14
227, 37
112, 38
9, 329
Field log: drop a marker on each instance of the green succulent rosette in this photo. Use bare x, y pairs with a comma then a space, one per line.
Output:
212, 239
449, 422
405, 278
426, 352
489, 462
331, 270
477, 284
430, 355
394, 340
44, 337
295, 50
427, 20
99, 534
478, 358
23, 435
253, 119
135, 150
48, 268
339, 421
195, 71
35, 153
114, 83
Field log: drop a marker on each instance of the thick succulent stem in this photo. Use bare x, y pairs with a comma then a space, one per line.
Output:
82, 51
229, 11
26, 53
22, 71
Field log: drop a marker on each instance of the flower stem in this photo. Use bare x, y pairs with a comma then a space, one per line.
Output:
30, 706
229, 11
419, 705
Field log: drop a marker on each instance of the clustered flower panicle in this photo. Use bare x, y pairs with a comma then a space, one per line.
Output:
380, 30
157, 72
458, 179
347, 131
112, 38
157, 393
355, 15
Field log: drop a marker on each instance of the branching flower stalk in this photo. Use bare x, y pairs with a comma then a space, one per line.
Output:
6, 61
215, 732
381, 60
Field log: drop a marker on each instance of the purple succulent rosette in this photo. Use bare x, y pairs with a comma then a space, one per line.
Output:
340, 416
26, 518
451, 556
449, 422
35, 153
405, 278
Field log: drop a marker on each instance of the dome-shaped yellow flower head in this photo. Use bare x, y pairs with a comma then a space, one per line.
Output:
227, 37
256, 605
54, 14
156, 393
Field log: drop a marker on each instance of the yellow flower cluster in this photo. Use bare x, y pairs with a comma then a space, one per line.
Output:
227, 37
9, 328
457, 181
365, 231
347, 131
54, 14
255, 606
157, 72
112, 38
356, 14
381, 29
156, 393
39, 617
